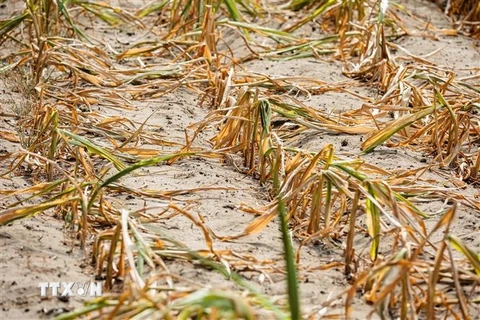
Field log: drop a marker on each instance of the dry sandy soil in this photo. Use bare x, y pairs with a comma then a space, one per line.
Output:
37, 249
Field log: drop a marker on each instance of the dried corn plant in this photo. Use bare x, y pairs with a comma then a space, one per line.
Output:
137, 252
466, 15
325, 196
427, 108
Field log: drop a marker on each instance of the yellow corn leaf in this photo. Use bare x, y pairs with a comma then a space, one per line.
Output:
473, 257
9, 136
10, 215
31, 189
136, 51
91, 79
383, 135
142, 153
260, 223
373, 223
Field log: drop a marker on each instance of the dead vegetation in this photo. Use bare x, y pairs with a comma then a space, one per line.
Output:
77, 155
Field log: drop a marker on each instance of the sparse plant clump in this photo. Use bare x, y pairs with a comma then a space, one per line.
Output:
22, 95
466, 14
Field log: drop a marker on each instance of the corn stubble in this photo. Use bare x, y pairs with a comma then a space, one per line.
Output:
79, 156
